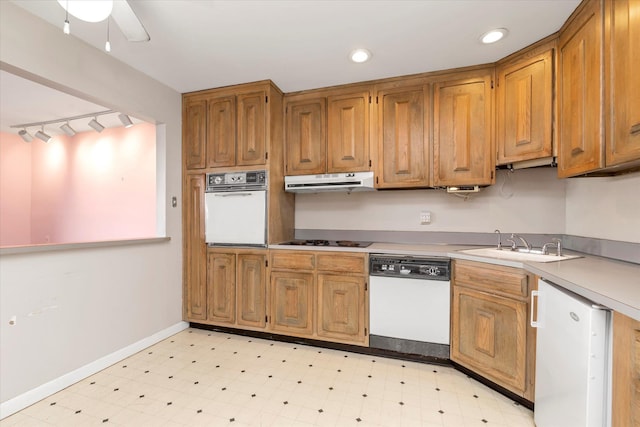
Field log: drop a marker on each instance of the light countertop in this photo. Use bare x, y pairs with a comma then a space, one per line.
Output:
613, 284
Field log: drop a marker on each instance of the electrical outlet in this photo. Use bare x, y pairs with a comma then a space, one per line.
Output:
425, 217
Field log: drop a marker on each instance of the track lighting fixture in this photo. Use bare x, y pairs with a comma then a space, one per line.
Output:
66, 128
126, 121
95, 125
26, 136
43, 136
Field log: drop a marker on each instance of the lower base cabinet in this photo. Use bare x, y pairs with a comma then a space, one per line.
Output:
236, 288
626, 371
490, 334
320, 295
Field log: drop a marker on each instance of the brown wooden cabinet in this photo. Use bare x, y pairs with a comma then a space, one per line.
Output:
327, 132
221, 287
402, 130
581, 147
319, 295
524, 105
626, 371
251, 288
463, 129
622, 82
234, 290
599, 134
194, 249
490, 333
292, 300
228, 127
305, 136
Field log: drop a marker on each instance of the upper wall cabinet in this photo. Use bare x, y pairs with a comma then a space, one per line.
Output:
622, 81
524, 106
227, 127
580, 102
402, 151
463, 129
327, 132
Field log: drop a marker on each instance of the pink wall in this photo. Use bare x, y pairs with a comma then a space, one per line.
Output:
93, 187
15, 190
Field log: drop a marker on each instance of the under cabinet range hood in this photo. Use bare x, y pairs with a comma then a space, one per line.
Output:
352, 181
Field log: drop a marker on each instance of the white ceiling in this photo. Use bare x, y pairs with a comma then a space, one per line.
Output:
304, 44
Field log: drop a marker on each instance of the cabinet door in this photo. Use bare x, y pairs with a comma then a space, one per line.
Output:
462, 145
221, 287
403, 154
623, 81
581, 147
195, 134
251, 284
489, 335
348, 135
524, 109
292, 302
306, 138
252, 128
341, 308
195, 255
626, 371
221, 132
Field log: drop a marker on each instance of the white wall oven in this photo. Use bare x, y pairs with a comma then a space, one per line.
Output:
236, 209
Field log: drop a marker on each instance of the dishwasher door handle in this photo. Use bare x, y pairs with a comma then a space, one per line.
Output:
535, 296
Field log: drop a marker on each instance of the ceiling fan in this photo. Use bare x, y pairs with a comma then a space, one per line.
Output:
99, 10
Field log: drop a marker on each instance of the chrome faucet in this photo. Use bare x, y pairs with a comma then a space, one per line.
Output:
499, 239
522, 239
555, 242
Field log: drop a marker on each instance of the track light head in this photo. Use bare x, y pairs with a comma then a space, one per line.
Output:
95, 125
43, 136
66, 128
26, 136
126, 120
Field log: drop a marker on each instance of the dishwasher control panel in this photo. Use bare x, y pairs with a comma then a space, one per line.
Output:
410, 267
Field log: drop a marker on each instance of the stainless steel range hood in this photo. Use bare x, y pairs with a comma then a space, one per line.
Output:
353, 181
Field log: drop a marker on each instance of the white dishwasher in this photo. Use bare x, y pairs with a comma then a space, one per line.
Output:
409, 302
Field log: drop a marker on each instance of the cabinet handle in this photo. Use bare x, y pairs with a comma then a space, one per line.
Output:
635, 129
534, 294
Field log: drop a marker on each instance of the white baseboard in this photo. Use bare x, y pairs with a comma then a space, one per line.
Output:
20, 402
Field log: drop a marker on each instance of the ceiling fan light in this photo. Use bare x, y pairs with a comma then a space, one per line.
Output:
66, 128
89, 11
95, 125
26, 136
126, 120
494, 35
360, 55
43, 136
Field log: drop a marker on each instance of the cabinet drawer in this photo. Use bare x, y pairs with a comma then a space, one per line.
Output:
491, 278
293, 260
342, 262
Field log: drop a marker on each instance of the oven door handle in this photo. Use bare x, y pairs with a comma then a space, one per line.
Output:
232, 194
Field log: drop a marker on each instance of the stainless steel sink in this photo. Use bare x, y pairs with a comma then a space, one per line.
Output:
534, 255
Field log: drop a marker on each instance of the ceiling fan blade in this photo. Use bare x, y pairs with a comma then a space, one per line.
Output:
128, 22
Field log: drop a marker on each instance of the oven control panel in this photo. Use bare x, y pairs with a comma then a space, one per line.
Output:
235, 181
410, 267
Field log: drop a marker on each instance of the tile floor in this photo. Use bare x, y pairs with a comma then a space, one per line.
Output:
204, 378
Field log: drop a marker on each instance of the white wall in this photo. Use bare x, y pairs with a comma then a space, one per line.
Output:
526, 201
76, 306
604, 208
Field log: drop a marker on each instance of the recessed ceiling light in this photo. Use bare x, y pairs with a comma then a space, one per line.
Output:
360, 55
494, 35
